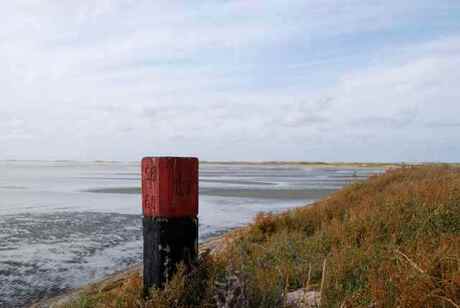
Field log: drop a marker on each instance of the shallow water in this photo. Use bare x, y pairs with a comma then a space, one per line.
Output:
63, 224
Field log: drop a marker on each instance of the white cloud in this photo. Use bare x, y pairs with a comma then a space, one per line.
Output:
226, 80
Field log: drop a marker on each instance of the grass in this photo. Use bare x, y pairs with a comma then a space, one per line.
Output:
392, 241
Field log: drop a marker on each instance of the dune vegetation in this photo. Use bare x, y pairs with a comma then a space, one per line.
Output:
390, 241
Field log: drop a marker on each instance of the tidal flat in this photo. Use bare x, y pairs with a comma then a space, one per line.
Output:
64, 224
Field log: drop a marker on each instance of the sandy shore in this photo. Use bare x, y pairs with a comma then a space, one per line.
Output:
302, 194
260, 193
319, 165
213, 245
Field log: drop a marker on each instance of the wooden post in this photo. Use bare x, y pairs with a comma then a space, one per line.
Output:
170, 210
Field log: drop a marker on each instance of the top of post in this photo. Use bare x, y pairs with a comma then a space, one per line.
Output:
170, 186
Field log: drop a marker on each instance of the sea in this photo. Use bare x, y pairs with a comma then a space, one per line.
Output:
67, 223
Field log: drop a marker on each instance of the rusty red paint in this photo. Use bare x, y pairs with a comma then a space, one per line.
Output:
170, 186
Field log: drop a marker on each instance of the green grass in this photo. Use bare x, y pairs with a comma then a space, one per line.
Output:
392, 241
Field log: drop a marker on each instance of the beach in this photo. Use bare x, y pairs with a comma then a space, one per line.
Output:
65, 224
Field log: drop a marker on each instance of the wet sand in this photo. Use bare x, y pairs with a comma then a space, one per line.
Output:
212, 245
302, 194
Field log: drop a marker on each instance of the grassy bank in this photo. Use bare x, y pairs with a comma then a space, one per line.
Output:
391, 241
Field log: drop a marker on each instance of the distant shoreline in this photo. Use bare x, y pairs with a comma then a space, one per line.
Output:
310, 164
306, 164
313, 164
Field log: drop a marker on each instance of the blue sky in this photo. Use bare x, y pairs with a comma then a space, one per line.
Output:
231, 80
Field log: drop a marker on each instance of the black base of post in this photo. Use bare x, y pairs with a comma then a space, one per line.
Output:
167, 242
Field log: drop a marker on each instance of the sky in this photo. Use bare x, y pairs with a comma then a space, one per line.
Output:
311, 80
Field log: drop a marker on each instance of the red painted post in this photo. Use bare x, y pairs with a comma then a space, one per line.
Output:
170, 209
170, 187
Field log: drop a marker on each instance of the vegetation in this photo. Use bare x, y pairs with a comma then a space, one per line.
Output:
392, 241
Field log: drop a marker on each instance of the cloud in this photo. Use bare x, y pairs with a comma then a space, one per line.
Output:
311, 80
448, 125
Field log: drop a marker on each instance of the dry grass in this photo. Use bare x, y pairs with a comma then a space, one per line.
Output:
392, 241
